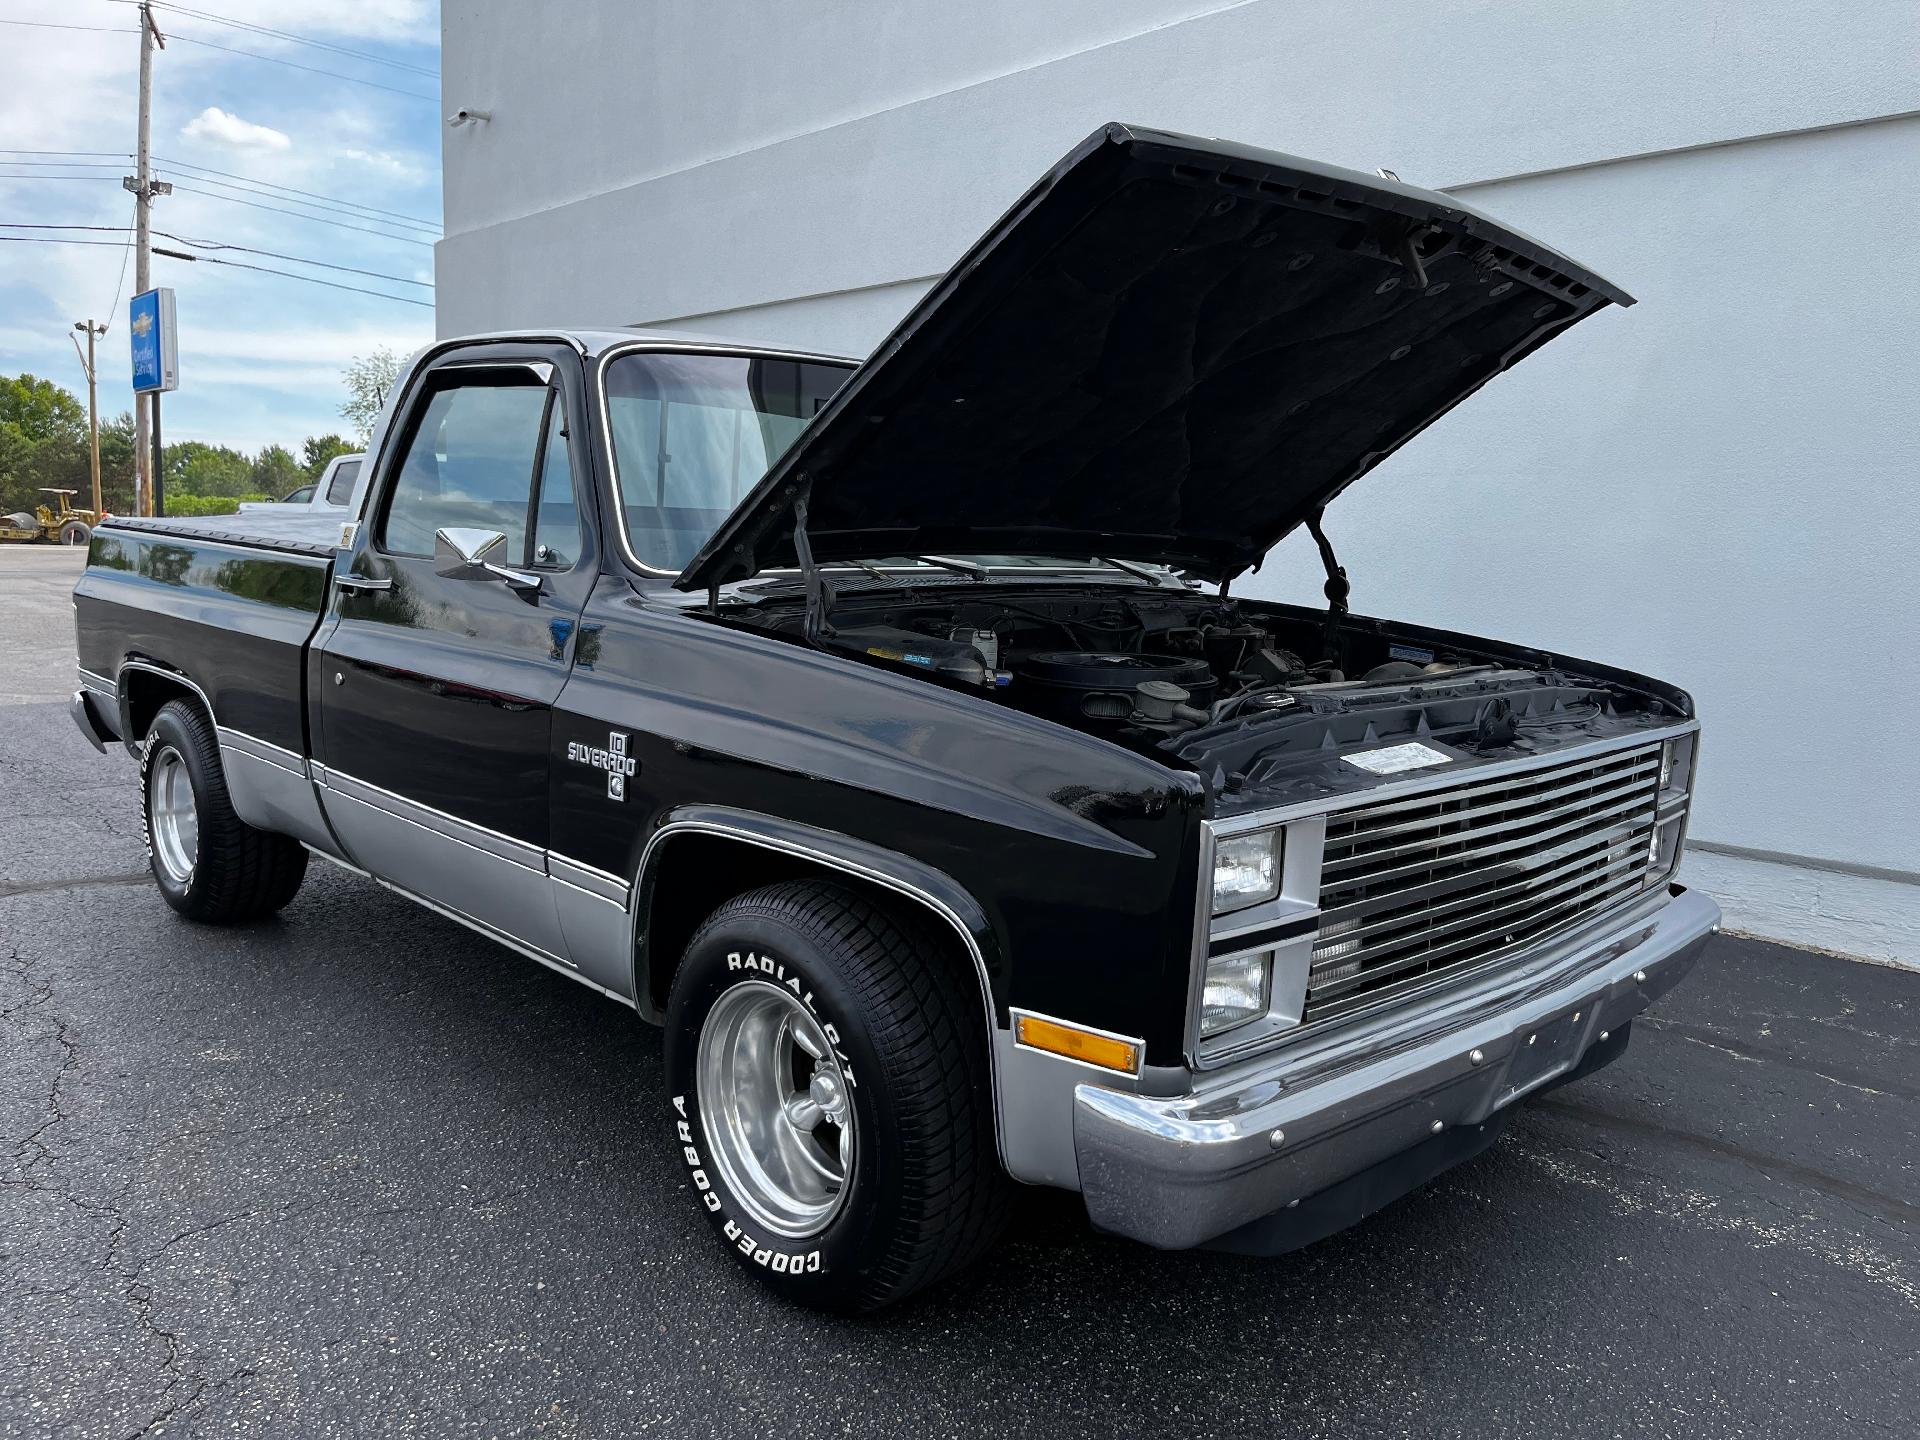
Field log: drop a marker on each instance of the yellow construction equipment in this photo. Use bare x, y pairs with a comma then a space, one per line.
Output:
57, 524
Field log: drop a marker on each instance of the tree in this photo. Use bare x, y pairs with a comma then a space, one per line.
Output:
116, 463
193, 468
43, 441
38, 410
275, 472
319, 451
368, 379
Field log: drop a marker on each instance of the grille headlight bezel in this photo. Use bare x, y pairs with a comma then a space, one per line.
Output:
1290, 925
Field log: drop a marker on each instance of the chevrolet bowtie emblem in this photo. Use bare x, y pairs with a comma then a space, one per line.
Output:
142, 323
613, 759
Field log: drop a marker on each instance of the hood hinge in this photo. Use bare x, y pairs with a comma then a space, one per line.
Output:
1336, 589
819, 592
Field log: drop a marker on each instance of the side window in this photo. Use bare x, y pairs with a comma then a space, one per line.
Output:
556, 514
340, 488
469, 464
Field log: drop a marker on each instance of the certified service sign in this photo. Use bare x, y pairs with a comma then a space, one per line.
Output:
156, 360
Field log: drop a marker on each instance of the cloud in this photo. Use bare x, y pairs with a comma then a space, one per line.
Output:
385, 162
213, 123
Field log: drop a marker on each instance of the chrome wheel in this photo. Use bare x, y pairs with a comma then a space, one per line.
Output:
171, 817
776, 1107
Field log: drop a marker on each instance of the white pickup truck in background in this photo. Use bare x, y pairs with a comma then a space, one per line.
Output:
332, 491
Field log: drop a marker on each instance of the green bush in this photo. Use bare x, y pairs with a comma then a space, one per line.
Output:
207, 504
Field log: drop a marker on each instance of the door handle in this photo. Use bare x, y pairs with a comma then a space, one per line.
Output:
360, 583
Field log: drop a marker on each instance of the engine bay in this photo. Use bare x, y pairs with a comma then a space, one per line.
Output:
1253, 695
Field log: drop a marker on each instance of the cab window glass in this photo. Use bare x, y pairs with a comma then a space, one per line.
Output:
469, 464
556, 516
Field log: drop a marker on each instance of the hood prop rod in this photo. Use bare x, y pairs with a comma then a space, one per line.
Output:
1337, 589
819, 592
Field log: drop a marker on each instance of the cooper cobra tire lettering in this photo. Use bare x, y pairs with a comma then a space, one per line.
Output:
919, 1191
765, 1253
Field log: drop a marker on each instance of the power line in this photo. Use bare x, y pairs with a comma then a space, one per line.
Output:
291, 190
296, 259
281, 210
252, 205
221, 245
201, 171
268, 270
310, 69
257, 29
120, 285
49, 240
408, 229
56, 25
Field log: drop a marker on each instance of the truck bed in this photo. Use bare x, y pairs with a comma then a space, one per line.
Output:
228, 601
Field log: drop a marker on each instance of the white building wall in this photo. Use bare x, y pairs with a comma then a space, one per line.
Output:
1717, 486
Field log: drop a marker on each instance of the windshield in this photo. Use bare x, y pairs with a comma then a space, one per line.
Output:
693, 433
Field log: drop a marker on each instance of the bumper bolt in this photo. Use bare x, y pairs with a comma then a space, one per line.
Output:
1639, 977
1576, 1017
1477, 1056
1276, 1138
1604, 1034
1532, 1038
1437, 1126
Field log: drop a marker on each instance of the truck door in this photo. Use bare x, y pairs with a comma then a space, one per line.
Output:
454, 616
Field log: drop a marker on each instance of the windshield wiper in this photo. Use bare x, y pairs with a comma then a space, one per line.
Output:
962, 567
873, 570
1137, 571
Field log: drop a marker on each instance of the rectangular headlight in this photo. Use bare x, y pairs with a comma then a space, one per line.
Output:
1246, 871
1235, 991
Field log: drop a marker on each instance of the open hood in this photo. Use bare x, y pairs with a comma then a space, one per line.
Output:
1169, 350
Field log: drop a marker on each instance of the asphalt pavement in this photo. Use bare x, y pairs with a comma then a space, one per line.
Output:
357, 1172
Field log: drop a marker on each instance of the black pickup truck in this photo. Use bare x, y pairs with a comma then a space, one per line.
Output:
889, 733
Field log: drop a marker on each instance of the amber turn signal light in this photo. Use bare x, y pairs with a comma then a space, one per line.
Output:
1076, 1044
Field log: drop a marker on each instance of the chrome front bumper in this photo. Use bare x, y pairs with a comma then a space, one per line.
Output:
1250, 1140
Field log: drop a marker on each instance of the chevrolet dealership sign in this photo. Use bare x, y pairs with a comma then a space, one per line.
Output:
156, 358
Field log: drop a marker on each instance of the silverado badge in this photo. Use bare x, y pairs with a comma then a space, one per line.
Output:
614, 760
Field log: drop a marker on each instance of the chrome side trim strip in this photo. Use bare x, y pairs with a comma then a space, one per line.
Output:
263, 750
98, 683
588, 879
120, 681
846, 867
438, 822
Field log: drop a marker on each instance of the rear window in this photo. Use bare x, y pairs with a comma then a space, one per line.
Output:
692, 434
340, 488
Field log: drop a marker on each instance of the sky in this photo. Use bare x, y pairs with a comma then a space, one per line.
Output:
260, 355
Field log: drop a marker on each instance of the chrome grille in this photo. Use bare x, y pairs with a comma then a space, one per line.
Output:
1416, 888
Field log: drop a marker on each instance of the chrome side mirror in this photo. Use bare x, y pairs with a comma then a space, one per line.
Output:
472, 554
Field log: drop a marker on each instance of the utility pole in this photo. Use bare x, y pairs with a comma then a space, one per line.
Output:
94, 331
144, 188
